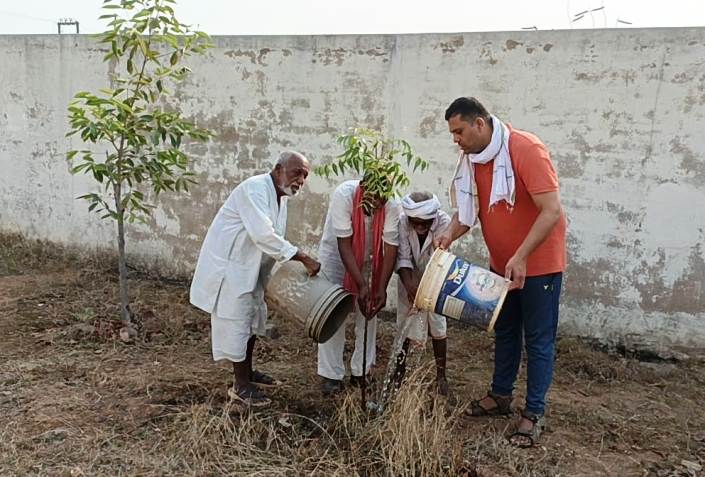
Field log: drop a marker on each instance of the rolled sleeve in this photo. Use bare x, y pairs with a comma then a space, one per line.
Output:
404, 263
287, 253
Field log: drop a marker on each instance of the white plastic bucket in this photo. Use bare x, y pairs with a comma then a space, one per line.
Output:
455, 288
319, 305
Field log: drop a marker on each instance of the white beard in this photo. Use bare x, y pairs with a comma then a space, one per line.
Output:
289, 191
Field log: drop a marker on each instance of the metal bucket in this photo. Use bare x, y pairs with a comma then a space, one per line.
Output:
319, 305
457, 289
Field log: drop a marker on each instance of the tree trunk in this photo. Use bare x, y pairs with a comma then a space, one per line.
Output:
122, 264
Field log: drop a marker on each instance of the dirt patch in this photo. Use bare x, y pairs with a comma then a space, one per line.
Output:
76, 401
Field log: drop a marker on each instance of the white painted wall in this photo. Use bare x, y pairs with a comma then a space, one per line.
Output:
620, 110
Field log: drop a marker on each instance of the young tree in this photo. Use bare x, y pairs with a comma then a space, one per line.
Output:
140, 134
378, 159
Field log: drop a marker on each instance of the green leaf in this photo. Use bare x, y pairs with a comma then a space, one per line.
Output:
144, 13
79, 168
122, 105
378, 158
134, 131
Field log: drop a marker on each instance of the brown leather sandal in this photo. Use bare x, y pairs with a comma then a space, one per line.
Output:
503, 406
263, 379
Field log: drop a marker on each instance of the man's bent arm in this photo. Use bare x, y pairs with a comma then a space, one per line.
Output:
550, 211
348, 258
455, 230
259, 226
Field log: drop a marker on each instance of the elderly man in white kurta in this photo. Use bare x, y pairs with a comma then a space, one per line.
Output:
358, 250
422, 220
243, 242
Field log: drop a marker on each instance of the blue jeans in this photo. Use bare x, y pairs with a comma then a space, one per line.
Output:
530, 315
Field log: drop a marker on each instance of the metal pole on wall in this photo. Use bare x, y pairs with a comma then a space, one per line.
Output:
68, 22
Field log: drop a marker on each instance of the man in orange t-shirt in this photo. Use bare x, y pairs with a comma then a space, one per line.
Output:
506, 181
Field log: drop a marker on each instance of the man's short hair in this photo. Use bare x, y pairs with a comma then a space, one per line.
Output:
420, 196
286, 156
468, 108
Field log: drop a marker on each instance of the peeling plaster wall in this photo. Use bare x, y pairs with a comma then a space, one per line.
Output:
620, 110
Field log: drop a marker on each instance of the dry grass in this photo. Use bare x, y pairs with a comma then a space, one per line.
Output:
76, 401
404, 441
225, 442
417, 431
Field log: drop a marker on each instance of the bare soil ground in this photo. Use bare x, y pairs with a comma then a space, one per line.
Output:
75, 400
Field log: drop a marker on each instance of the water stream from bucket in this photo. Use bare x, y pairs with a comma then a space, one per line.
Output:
387, 386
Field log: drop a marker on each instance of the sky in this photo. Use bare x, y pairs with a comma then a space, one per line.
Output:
307, 17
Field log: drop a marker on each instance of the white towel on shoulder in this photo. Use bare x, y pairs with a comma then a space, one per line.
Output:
463, 193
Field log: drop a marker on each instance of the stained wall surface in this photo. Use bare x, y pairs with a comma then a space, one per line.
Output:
620, 110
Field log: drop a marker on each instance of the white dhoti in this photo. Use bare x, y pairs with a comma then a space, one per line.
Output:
330, 353
235, 320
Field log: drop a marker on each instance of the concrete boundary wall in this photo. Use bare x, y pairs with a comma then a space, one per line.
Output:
620, 110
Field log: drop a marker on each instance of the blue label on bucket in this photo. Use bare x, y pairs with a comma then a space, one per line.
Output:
469, 293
